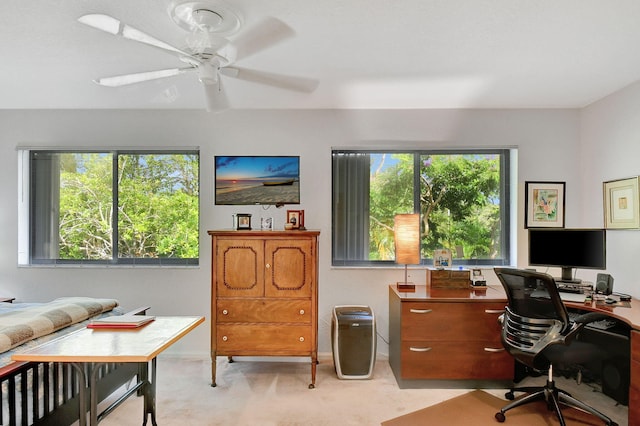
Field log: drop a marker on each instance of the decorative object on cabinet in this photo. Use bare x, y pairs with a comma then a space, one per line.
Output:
266, 223
264, 295
621, 208
296, 219
442, 258
406, 231
477, 279
448, 278
544, 204
243, 221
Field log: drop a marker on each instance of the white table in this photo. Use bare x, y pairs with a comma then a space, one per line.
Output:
94, 347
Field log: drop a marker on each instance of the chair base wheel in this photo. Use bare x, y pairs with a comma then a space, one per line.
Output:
500, 417
510, 396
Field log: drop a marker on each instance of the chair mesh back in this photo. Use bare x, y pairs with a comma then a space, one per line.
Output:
535, 316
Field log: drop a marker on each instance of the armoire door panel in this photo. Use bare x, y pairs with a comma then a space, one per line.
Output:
289, 268
240, 268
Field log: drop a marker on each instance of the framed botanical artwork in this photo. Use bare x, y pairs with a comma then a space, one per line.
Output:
621, 210
544, 205
295, 218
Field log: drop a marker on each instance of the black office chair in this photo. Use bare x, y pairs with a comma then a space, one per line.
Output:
537, 331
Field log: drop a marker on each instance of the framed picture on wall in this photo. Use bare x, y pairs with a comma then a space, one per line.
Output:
621, 210
544, 204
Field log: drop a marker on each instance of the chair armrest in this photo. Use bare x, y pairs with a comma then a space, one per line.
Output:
580, 321
142, 310
590, 317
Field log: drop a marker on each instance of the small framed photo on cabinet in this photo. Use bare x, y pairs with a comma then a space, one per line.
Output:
295, 219
266, 223
243, 221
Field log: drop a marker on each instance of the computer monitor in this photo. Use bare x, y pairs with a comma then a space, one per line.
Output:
568, 249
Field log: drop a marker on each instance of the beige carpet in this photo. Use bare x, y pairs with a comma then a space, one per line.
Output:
478, 408
273, 393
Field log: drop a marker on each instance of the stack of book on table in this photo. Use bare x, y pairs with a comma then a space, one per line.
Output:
121, 321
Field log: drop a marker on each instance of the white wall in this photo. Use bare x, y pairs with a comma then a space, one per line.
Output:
548, 141
610, 140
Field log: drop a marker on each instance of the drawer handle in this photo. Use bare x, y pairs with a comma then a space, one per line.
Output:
301, 311
301, 339
267, 266
225, 338
225, 312
420, 311
494, 311
419, 349
494, 349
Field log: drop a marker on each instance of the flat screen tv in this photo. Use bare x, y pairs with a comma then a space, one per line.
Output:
246, 180
568, 249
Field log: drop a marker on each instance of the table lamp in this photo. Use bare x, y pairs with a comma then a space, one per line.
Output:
406, 231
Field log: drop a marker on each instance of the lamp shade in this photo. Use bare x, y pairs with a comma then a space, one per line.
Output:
407, 238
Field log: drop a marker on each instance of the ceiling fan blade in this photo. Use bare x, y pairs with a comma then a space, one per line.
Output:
263, 35
216, 98
116, 27
123, 80
282, 81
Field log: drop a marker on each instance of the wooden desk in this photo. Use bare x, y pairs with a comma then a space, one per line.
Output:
627, 312
87, 349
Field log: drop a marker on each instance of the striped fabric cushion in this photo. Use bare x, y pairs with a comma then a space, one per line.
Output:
25, 323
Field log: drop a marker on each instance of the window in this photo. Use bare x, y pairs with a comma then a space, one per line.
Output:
112, 207
462, 197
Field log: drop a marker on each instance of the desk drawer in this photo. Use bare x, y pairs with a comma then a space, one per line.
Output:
264, 310
250, 339
439, 321
453, 360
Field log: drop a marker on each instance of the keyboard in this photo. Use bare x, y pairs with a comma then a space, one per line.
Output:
573, 297
570, 290
603, 324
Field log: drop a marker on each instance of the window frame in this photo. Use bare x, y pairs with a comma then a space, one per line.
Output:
26, 207
506, 206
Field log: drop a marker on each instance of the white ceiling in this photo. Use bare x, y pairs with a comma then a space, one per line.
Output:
365, 54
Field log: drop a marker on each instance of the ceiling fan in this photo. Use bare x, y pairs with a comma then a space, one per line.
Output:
208, 52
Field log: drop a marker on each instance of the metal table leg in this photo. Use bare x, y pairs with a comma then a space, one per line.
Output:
82, 393
150, 396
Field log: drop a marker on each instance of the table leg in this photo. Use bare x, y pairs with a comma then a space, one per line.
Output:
93, 392
82, 393
150, 396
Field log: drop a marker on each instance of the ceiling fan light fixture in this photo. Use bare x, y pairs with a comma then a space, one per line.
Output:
211, 16
208, 74
207, 20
